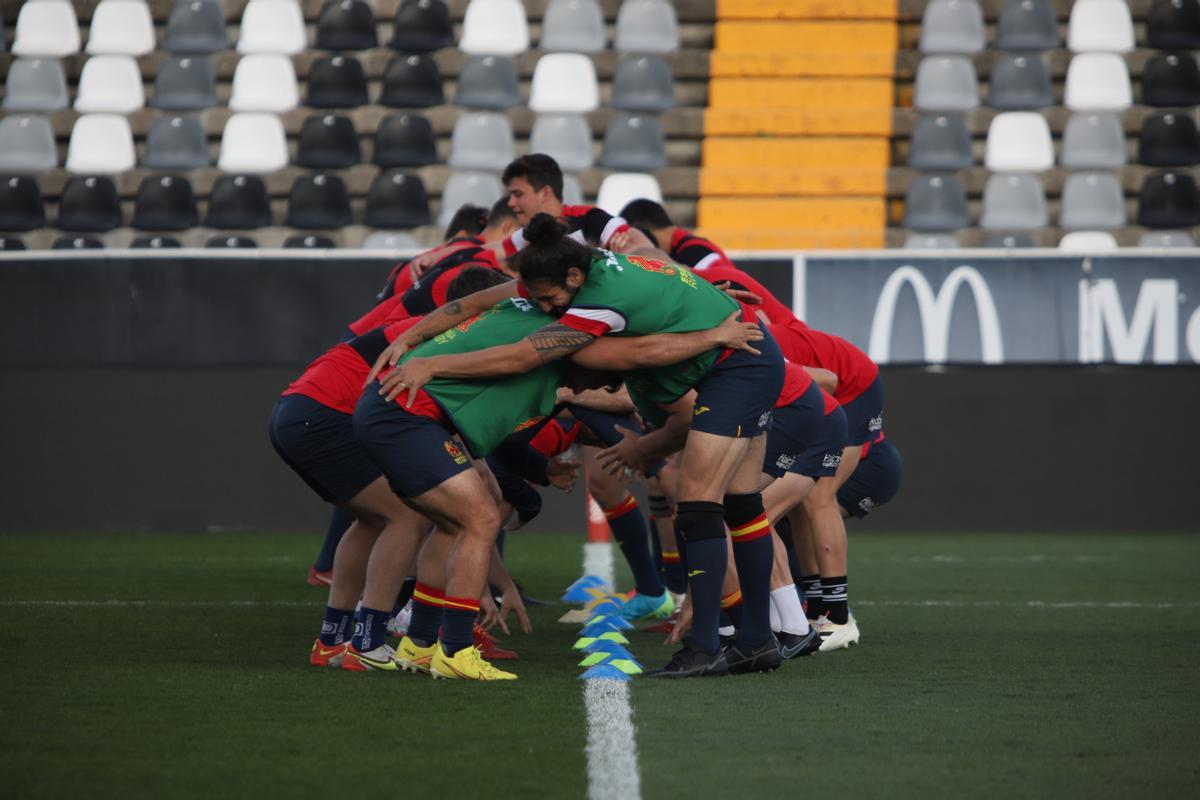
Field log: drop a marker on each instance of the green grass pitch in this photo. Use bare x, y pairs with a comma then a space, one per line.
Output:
991, 666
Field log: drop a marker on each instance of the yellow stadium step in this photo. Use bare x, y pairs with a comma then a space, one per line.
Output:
881, 64
800, 93
795, 239
806, 9
774, 181
798, 121
832, 213
719, 151
789, 37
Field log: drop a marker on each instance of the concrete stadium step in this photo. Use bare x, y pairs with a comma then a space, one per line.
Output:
800, 93
799, 121
795, 152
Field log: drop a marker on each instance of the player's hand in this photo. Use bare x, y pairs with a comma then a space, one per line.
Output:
623, 457
421, 264
511, 601
409, 376
563, 474
390, 356
740, 294
738, 335
683, 623
620, 242
489, 615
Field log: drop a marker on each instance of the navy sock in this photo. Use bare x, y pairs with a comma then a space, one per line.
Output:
427, 615
629, 529
406, 593
701, 525
754, 554
333, 629
339, 523
370, 628
458, 624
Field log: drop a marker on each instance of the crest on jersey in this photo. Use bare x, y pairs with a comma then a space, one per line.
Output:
455, 453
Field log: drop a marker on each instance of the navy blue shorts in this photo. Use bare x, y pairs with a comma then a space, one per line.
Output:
415, 453
874, 482
318, 443
736, 396
804, 439
864, 414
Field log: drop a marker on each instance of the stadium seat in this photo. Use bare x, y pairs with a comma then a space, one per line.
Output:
1100, 26
1020, 81
573, 26
238, 202
155, 243
422, 26
264, 82
121, 27
1019, 141
346, 25
621, 188
952, 26
164, 203
272, 26
567, 138
481, 140
11, 243
412, 81
1171, 79
176, 143
110, 84
253, 142
308, 241
21, 206
1027, 25
1168, 200
47, 28
634, 143
328, 141
930, 241
27, 144
1173, 25
1088, 242
100, 143
35, 84
397, 199
1093, 140
89, 204
1097, 82
1092, 200
476, 188
946, 83
572, 191
1013, 203
184, 83
196, 27
336, 82
643, 83
1166, 239
1008, 240
404, 140
1169, 140
940, 142
646, 26
231, 242
495, 27
564, 83
390, 240
488, 82
70, 242
935, 203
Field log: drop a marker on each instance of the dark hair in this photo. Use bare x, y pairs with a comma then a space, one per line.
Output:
645, 214
474, 279
469, 219
500, 212
549, 253
537, 168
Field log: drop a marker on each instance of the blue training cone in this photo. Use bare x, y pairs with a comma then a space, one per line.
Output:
578, 592
597, 628
604, 672
617, 622
610, 648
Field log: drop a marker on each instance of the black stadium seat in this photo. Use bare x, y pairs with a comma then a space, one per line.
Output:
89, 204
1169, 140
1173, 24
20, 204
328, 141
1168, 200
234, 242
346, 25
11, 243
155, 243
1171, 80
412, 81
164, 203
397, 200
239, 202
309, 241
318, 201
404, 140
422, 26
336, 82
70, 242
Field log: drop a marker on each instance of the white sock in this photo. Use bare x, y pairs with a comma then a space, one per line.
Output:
786, 603
775, 622
727, 630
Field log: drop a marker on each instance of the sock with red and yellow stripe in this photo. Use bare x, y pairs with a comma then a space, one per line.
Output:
731, 609
754, 555
458, 623
629, 529
427, 614
671, 566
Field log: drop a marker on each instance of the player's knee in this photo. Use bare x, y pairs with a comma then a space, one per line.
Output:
742, 508
699, 520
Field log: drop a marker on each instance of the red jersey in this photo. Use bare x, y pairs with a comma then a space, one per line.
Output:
695, 251
584, 223
400, 279
722, 271
814, 348
386, 310
553, 439
429, 291
796, 380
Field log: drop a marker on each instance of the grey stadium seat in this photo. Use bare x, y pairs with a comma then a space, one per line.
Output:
646, 26
940, 142
946, 83
184, 83
196, 27
952, 26
1020, 81
643, 83
931, 241
35, 84
935, 203
476, 188
1166, 239
1093, 140
27, 144
1013, 202
572, 191
567, 138
1092, 201
390, 240
1027, 25
481, 140
1005, 240
634, 143
573, 26
488, 82
176, 143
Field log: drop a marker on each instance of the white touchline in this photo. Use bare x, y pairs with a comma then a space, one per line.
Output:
612, 762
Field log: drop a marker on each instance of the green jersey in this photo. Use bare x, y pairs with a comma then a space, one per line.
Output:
486, 411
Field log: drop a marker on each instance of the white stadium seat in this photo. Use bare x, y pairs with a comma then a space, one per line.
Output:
121, 27
1019, 141
48, 28
1088, 242
272, 26
253, 142
101, 143
1098, 82
110, 84
264, 82
495, 27
1100, 26
619, 188
564, 83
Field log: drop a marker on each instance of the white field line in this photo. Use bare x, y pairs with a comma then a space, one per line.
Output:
612, 762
